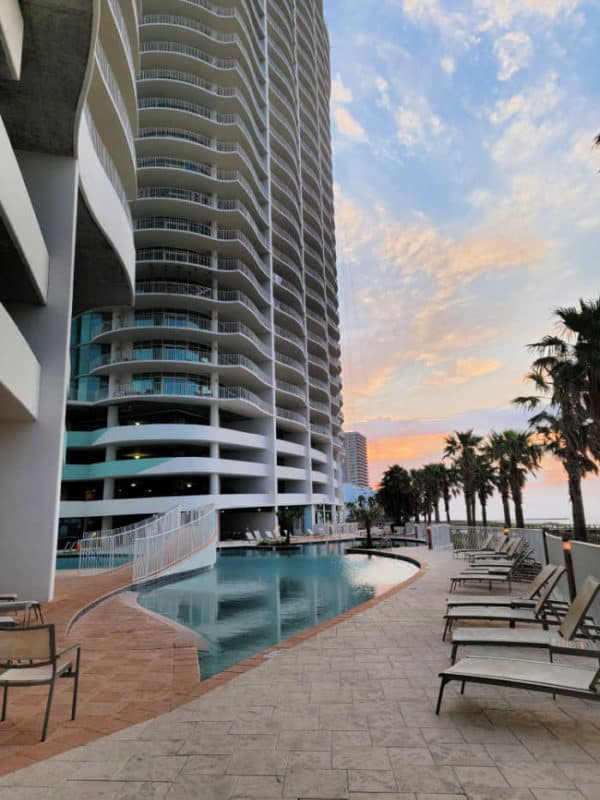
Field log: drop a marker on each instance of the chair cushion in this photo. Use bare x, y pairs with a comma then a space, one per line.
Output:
16, 676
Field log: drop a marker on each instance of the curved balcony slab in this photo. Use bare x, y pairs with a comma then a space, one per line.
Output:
164, 434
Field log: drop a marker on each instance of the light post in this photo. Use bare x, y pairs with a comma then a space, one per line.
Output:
429, 538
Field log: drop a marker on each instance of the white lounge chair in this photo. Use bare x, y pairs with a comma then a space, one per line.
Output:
573, 623
527, 600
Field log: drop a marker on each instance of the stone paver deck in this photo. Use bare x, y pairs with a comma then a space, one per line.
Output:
347, 713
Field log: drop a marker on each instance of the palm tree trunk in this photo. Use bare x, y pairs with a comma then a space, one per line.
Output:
447, 506
577, 509
469, 507
474, 508
483, 513
436, 510
518, 501
506, 507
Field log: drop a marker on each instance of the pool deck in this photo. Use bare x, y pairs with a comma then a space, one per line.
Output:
346, 711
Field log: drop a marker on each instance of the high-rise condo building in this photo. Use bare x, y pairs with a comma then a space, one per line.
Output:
223, 384
68, 119
356, 462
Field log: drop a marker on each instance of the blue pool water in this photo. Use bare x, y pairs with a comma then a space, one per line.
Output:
67, 562
253, 600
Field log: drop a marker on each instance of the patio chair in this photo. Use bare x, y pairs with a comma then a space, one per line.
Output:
538, 614
270, 535
30, 658
249, 536
258, 536
527, 600
489, 545
533, 676
573, 622
509, 552
27, 607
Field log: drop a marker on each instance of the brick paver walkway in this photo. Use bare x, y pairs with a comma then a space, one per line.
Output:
345, 714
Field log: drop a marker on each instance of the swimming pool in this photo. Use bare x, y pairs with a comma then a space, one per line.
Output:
253, 600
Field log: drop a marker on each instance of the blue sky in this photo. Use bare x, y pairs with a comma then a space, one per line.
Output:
467, 208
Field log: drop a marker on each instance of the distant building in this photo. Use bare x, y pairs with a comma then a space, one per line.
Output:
356, 463
352, 492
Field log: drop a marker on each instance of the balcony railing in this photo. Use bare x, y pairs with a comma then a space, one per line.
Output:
240, 393
285, 413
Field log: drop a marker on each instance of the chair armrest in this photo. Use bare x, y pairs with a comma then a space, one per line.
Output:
70, 649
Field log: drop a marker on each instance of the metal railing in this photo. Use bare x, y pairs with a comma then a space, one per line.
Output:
193, 532
151, 545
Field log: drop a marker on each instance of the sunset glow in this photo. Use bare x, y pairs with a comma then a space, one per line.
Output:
467, 210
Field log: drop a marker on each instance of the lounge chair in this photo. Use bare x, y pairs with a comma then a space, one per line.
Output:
538, 614
534, 676
501, 556
573, 622
27, 607
30, 658
249, 536
270, 535
523, 601
489, 545
8, 598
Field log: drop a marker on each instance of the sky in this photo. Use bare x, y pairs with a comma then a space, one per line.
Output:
467, 210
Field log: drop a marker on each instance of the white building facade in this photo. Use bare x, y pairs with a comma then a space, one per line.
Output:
68, 120
223, 384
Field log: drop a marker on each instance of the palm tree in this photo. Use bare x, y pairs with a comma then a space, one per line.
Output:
496, 452
435, 477
521, 457
449, 486
563, 423
461, 448
419, 499
485, 483
367, 511
583, 325
395, 494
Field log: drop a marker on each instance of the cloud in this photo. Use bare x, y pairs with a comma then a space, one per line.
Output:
448, 65
502, 13
348, 126
452, 25
513, 52
416, 122
463, 370
339, 92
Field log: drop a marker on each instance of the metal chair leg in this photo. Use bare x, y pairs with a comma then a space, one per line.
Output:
75, 686
462, 687
446, 626
47, 714
4, 703
454, 649
441, 694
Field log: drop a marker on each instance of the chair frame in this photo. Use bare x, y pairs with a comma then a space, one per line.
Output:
54, 661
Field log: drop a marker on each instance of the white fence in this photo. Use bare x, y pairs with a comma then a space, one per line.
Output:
167, 537
336, 529
194, 532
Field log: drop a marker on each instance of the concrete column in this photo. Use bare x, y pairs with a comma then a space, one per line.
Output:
30, 488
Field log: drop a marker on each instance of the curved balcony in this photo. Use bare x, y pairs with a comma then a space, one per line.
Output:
320, 430
248, 369
188, 29
318, 341
127, 62
187, 84
283, 239
163, 386
154, 355
242, 332
288, 363
286, 338
291, 419
163, 140
176, 55
290, 288
293, 270
316, 322
319, 363
294, 392
183, 295
320, 408
279, 189
175, 230
291, 131
154, 199
238, 397
289, 314
284, 103
285, 221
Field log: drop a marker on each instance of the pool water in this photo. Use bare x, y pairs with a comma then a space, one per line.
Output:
67, 562
253, 600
